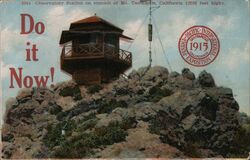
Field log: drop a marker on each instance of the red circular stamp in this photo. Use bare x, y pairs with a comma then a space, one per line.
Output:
199, 46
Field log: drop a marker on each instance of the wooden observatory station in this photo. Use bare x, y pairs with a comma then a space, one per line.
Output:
91, 51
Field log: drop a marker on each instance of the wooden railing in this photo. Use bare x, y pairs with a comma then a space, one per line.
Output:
96, 50
90, 49
125, 56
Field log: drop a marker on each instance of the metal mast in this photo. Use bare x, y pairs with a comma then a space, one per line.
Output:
150, 33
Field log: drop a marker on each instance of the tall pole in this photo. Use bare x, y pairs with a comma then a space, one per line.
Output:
150, 33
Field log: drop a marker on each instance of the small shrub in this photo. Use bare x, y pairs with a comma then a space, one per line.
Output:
61, 115
8, 137
156, 93
94, 89
155, 126
111, 134
83, 144
192, 150
88, 117
77, 97
122, 91
79, 147
241, 146
129, 122
74, 92
87, 125
108, 107
87, 122
52, 138
54, 135
54, 109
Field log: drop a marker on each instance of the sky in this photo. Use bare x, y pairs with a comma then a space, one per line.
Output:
231, 23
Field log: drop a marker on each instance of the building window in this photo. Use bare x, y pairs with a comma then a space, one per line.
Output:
110, 39
93, 38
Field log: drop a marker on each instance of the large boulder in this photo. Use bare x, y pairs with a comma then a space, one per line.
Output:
153, 75
206, 79
156, 73
188, 74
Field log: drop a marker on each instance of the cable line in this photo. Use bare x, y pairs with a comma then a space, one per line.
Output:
159, 38
137, 32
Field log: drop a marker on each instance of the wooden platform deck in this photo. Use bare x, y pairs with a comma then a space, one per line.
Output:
94, 55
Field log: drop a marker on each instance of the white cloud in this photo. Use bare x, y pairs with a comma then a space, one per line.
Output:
131, 28
237, 56
222, 23
59, 20
12, 40
135, 29
5, 70
174, 27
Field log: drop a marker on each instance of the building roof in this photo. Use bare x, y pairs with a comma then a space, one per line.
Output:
95, 19
89, 25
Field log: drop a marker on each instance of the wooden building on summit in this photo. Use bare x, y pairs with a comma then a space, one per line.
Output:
91, 51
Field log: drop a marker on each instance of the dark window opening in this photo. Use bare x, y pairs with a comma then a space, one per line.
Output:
84, 39
110, 39
88, 38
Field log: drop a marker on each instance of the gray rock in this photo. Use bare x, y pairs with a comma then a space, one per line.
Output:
206, 79
225, 92
7, 150
134, 75
24, 94
156, 73
188, 74
174, 74
189, 121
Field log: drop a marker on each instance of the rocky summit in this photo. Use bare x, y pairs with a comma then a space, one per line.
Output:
149, 114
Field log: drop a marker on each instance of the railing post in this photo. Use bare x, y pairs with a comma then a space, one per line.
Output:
103, 52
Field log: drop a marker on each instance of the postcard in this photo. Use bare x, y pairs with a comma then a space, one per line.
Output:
119, 79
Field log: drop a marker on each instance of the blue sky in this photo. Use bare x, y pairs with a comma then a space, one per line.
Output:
231, 22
